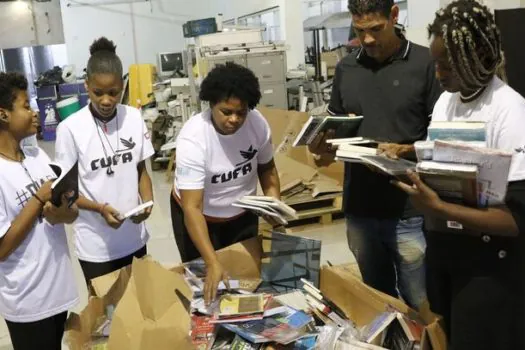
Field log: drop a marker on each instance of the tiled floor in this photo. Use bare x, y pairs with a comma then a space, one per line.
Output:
162, 244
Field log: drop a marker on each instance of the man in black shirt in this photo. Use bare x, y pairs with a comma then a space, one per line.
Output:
390, 81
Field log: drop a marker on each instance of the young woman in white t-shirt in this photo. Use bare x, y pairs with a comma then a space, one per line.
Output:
475, 270
111, 143
37, 285
221, 155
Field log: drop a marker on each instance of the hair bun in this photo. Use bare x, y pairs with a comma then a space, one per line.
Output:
102, 44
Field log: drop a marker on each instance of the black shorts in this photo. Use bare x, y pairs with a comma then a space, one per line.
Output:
476, 284
93, 270
221, 234
44, 334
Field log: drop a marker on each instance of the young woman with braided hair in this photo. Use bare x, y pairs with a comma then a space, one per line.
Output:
475, 274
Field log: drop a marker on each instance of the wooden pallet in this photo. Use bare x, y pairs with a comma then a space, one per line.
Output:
311, 212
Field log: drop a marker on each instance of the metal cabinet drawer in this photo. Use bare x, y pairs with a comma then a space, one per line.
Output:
274, 96
240, 60
270, 67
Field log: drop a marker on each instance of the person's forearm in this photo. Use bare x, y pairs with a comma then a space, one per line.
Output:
87, 204
270, 183
145, 187
20, 227
496, 221
198, 231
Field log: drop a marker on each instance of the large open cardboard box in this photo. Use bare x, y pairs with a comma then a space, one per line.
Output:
152, 310
285, 126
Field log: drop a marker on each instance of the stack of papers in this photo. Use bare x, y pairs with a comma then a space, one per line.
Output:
271, 209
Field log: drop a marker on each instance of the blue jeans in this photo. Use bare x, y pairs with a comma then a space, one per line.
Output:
391, 255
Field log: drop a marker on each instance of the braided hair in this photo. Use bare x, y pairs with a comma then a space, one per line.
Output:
472, 41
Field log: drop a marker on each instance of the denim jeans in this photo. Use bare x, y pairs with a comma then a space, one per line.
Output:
391, 255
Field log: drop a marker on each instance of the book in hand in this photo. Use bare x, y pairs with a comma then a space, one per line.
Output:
343, 126
388, 166
457, 131
268, 208
456, 183
136, 211
493, 166
357, 141
66, 185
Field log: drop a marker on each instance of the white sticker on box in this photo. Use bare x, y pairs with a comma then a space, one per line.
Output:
269, 91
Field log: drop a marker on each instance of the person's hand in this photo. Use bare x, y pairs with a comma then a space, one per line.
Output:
215, 274
319, 145
111, 215
141, 217
44, 192
422, 197
60, 215
392, 150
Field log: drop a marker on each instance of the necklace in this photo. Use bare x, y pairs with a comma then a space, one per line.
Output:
471, 97
110, 170
21, 162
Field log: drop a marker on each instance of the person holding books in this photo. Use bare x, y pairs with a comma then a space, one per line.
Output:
390, 82
221, 155
111, 143
37, 285
476, 268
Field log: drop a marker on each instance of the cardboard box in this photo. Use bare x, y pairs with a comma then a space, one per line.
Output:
285, 126
152, 310
362, 304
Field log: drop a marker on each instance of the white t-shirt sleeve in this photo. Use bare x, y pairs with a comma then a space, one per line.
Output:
510, 137
147, 146
65, 150
266, 149
190, 168
5, 223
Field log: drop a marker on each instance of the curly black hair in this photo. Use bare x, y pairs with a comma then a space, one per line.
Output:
104, 59
364, 7
231, 80
472, 40
10, 85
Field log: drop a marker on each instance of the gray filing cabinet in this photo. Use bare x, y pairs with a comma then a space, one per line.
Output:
270, 69
239, 59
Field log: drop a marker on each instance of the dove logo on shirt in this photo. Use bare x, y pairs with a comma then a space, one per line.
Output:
126, 155
241, 169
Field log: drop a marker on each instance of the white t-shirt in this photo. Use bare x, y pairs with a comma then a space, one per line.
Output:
124, 144
225, 166
36, 280
503, 111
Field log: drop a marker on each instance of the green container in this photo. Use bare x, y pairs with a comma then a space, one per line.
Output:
67, 107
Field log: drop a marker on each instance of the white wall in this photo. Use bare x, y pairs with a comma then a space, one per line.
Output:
29, 23
140, 29
238, 8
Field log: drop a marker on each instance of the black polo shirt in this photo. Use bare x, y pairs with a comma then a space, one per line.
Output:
396, 98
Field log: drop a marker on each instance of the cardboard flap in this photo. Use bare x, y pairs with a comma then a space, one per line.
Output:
79, 327
163, 336
285, 126
157, 288
438, 339
103, 284
242, 260
359, 302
